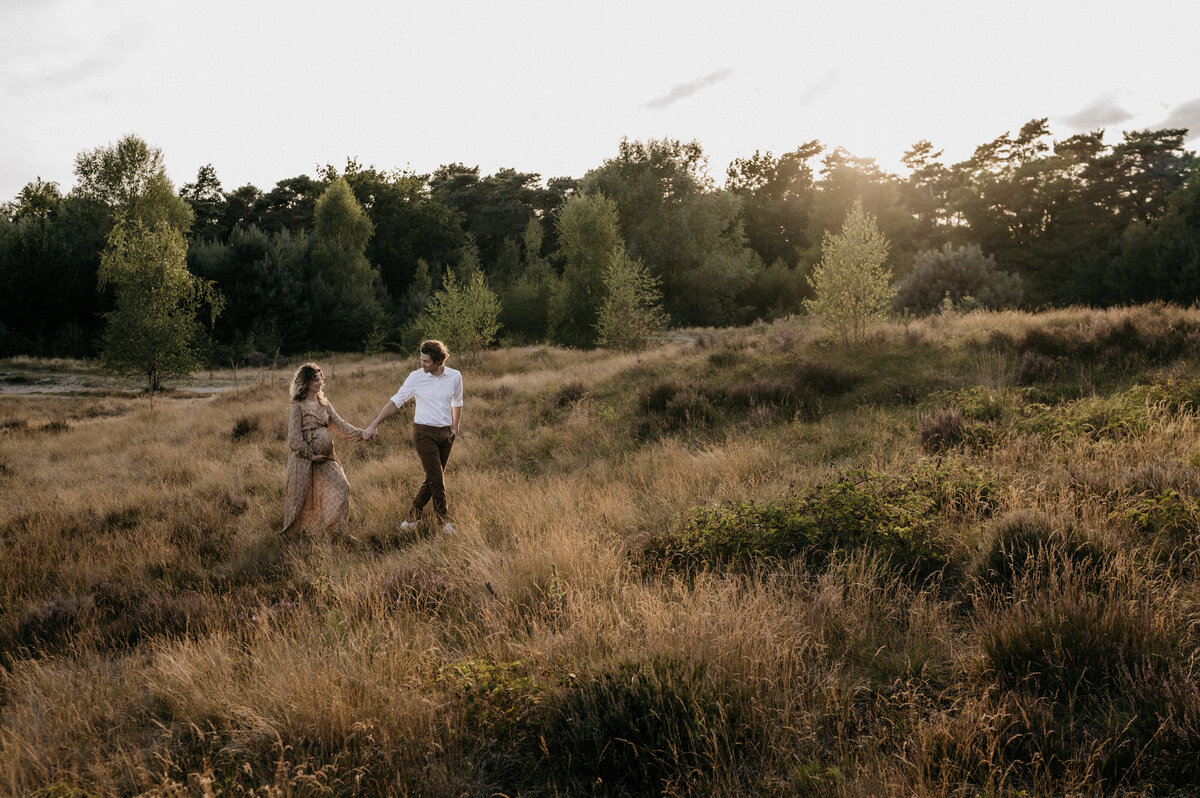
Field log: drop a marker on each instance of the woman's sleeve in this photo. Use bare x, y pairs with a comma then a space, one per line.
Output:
342, 427
296, 441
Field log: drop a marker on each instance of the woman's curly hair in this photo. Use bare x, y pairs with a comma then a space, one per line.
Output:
304, 377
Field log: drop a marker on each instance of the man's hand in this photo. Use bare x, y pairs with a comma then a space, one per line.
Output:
369, 433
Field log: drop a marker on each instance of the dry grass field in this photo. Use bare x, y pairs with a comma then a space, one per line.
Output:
960, 561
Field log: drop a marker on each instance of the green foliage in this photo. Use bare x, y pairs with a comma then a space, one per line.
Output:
631, 312
964, 276
1166, 522
897, 518
345, 285
588, 240
686, 233
777, 290
1054, 212
463, 315
498, 702
266, 282
129, 178
36, 200
152, 329
777, 196
852, 285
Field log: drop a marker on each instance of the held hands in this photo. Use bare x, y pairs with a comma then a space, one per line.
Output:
369, 433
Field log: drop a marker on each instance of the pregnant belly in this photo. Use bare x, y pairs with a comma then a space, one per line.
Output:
321, 441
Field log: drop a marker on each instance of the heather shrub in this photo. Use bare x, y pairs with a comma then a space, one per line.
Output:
107, 615
659, 727
822, 378
1035, 367
941, 430
245, 425
669, 406
1068, 635
1026, 541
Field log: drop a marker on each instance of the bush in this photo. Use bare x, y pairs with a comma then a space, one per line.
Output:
1067, 635
1025, 541
941, 430
1035, 368
964, 275
645, 727
894, 517
244, 426
671, 407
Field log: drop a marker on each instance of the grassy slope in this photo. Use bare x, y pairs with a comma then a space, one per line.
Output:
588, 630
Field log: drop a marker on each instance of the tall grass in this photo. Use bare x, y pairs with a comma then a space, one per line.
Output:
1042, 471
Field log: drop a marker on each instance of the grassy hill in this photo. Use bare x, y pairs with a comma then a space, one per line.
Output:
961, 560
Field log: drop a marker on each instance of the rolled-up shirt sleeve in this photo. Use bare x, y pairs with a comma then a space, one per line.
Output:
406, 391
457, 399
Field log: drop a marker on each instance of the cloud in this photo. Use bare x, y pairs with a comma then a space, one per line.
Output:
1102, 112
66, 64
824, 84
1185, 115
684, 90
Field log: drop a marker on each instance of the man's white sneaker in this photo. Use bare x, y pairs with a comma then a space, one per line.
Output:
449, 528
407, 526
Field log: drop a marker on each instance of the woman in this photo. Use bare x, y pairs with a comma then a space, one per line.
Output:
318, 495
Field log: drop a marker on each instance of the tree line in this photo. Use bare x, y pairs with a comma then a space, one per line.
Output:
358, 258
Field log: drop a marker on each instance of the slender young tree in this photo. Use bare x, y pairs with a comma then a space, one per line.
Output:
463, 314
632, 309
152, 329
852, 284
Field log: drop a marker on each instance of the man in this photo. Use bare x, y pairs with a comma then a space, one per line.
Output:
439, 398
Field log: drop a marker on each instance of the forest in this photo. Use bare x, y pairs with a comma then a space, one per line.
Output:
347, 260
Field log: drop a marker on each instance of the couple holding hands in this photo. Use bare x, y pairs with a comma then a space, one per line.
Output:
318, 495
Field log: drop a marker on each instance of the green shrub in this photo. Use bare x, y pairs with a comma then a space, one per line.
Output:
1166, 522
963, 275
895, 517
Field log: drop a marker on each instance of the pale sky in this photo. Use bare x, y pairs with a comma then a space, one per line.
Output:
266, 90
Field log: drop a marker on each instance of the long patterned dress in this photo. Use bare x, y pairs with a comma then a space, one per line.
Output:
318, 495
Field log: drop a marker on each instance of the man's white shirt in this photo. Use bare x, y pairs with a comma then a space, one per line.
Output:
435, 396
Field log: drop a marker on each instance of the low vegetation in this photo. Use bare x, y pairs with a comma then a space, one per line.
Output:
958, 561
